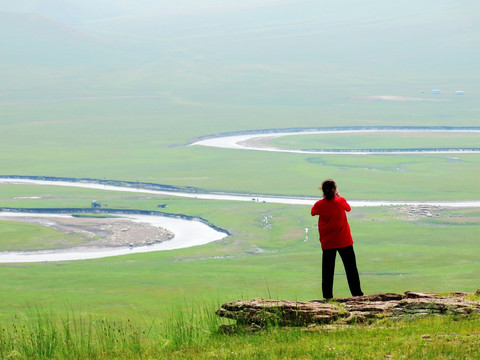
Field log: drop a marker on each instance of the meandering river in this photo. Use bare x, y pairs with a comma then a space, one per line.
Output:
250, 141
187, 233
191, 233
292, 200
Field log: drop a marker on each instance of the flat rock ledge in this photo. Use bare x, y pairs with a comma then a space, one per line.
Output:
258, 313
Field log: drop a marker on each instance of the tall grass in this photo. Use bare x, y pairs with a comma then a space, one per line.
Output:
193, 333
39, 335
191, 327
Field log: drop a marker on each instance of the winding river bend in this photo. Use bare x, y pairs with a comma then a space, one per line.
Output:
187, 233
248, 141
292, 200
184, 229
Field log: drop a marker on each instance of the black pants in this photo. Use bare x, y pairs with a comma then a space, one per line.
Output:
328, 268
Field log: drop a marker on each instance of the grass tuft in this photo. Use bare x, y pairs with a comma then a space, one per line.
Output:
194, 333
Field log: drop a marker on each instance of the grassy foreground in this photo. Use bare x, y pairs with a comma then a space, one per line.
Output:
196, 335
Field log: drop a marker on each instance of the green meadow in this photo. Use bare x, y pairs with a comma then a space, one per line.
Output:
110, 140
162, 304
268, 254
20, 236
398, 140
120, 94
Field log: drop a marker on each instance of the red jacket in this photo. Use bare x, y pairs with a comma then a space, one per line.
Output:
332, 222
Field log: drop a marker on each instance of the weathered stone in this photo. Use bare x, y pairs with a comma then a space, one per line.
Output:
356, 317
373, 298
418, 295
281, 312
375, 307
259, 312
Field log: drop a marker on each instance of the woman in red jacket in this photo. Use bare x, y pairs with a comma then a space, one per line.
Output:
335, 236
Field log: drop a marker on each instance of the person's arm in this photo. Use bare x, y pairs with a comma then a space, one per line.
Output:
346, 205
314, 209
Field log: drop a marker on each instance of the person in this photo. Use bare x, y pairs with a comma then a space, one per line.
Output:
335, 236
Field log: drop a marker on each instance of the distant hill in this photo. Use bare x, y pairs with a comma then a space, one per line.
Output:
425, 36
67, 11
430, 37
37, 39
316, 47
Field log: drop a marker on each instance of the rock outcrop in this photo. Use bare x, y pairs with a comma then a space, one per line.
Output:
360, 309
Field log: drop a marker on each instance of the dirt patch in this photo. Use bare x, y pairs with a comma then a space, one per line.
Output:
417, 212
105, 232
258, 142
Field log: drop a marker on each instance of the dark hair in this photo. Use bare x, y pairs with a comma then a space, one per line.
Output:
329, 189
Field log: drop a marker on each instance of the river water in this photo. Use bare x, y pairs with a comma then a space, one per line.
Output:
187, 233
191, 233
292, 200
245, 141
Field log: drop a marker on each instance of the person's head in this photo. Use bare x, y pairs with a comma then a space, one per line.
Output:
329, 189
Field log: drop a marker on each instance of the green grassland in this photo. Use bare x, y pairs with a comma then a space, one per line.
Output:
120, 98
394, 254
141, 140
393, 140
20, 236
161, 304
189, 336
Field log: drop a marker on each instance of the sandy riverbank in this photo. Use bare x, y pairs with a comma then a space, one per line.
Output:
126, 234
103, 232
